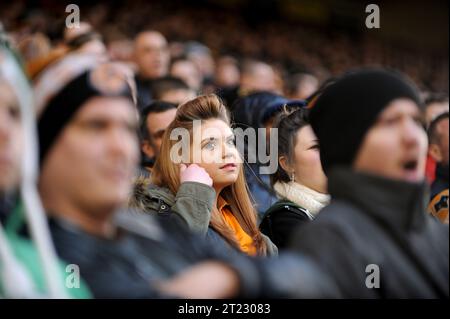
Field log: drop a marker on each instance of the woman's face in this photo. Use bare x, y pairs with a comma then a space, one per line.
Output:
213, 148
306, 162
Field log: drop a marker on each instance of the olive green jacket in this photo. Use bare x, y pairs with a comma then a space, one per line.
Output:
193, 203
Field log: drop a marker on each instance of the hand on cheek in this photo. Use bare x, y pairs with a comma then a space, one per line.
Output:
194, 173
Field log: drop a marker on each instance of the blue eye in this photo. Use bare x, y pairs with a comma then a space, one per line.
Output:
210, 145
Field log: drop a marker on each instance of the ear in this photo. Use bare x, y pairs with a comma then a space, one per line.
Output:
147, 149
284, 163
435, 152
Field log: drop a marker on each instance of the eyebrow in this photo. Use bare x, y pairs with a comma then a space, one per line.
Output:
209, 139
212, 138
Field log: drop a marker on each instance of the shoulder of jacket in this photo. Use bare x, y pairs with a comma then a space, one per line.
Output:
147, 196
287, 206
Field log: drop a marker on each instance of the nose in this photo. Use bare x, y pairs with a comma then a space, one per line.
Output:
411, 132
228, 151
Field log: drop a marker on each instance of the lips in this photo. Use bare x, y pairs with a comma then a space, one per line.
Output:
229, 166
411, 170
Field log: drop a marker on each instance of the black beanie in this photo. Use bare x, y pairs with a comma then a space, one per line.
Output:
346, 110
61, 108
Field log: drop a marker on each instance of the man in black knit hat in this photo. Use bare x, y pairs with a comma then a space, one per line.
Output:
375, 238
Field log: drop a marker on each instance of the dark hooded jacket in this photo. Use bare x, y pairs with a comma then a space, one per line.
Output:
374, 222
253, 111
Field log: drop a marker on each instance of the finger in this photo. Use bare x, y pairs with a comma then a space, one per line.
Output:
182, 167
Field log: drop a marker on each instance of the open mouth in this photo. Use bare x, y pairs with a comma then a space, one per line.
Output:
410, 165
411, 171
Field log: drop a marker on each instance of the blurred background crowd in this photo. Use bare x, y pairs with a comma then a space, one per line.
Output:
319, 39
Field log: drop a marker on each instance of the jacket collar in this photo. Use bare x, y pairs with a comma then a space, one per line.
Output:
400, 204
221, 203
303, 196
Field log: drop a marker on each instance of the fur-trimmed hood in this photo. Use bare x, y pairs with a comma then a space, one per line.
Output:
147, 197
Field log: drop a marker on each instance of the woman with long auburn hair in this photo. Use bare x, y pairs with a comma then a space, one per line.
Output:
208, 188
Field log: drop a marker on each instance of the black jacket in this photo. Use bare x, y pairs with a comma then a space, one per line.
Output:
7, 202
441, 181
152, 248
3, 210
144, 95
376, 221
280, 221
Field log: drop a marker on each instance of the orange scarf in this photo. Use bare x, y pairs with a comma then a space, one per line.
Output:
245, 241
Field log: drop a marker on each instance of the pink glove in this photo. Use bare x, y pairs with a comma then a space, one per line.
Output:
194, 173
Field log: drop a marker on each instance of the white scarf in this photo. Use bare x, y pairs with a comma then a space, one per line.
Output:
303, 196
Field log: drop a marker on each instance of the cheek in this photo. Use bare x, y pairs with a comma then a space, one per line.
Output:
423, 150
446, 146
196, 155
380, 151
17, 146
134, 148
236, 155
84, 152
158, 143
308, 162
211, 169
211, 156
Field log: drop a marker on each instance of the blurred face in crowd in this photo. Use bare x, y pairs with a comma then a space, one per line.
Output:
88, 171
157, 124
439, 148
204, 63
306, 161
188, 72
151, 54
396, 145
10, 138
94, 46
217, 153
259, 77
433, 110
227, 74
178, 96
306, 87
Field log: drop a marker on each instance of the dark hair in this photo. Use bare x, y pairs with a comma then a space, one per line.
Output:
436, 98
288, 122
433, 136
160, 86
154, 107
